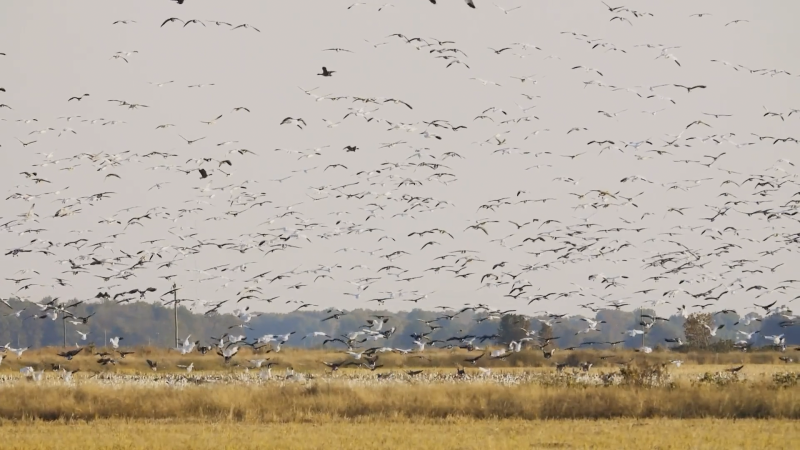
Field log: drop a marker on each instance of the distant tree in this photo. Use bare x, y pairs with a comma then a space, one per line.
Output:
694, 328
510, 328
545, 331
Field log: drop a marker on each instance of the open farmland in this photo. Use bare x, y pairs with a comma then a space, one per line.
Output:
426, 224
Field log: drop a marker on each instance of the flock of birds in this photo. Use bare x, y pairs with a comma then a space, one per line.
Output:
705, 229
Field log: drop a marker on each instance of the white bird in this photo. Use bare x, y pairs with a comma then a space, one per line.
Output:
749, 335
115, 341
505, 11
355, 355
188, 368
485, 82
776, 340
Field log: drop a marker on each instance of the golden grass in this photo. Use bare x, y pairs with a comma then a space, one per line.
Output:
321, 402
418, 435
310, 359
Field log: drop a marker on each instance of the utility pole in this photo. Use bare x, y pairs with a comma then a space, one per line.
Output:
64, 322
175, 299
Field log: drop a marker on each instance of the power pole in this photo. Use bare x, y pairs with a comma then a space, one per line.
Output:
175, 299
64, 322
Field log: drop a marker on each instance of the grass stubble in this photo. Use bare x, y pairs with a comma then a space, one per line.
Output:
455, 433
758, 408
452, 416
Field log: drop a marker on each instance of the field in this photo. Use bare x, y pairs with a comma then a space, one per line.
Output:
311, 360
422, 435
523, 402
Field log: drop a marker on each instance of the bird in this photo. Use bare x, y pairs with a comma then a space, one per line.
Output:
689, 89
732, 22
470, 3
326, 72
292, 121
172, 19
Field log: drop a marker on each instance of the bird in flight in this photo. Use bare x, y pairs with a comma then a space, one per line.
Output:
470, 3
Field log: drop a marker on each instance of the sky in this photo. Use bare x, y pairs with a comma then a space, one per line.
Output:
57, 50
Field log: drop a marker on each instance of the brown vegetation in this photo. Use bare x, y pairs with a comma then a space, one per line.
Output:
321, 401
397, 433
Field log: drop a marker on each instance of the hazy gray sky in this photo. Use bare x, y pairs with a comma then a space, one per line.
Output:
57, 50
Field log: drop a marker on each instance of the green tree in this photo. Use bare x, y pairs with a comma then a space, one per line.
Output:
696, 331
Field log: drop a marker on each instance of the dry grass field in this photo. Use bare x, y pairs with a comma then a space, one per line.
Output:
322, 400
523, 403
453, 434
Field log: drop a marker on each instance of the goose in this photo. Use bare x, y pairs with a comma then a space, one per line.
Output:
470, 3
732, 22
776, 340
245, 26
506, 11
192, 141
673, 58
588, 69
326, 72
66, 375
485, 82
70, 354
188, 368
16, 351
713, 331
115, 341
152, 364
748, 335
292, 121
212, 122
689, 89
170, 20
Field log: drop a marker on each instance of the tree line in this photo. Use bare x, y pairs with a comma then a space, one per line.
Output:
144, 323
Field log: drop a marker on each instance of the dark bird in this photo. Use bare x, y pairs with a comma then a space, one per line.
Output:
475, 359
172, 19
690, 88
326, 72
70, 354
470, 3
